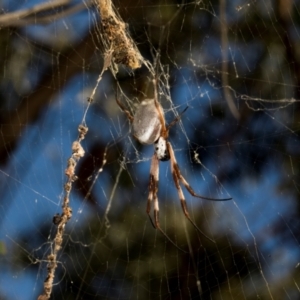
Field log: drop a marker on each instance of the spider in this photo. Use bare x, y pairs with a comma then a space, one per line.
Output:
149, 127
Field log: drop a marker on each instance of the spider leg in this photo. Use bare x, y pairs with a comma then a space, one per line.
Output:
176, 119
152, 197
192, 192
177, 177
128, 114
185, 183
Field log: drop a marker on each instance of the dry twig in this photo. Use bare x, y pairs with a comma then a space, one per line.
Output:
116, 37
62, 219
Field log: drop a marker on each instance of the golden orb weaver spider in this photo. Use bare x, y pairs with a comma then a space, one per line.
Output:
149, 127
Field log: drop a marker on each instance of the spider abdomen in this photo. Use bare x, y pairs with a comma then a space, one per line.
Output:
146, 124
161, 149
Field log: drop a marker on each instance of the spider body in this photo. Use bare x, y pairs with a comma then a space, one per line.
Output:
149, 127
161, 149
146, 123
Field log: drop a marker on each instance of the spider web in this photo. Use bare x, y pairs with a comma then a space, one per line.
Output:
235, 65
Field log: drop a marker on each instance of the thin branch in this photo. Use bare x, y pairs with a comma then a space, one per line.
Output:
224, 50
62, 219
29, 15
66, 215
